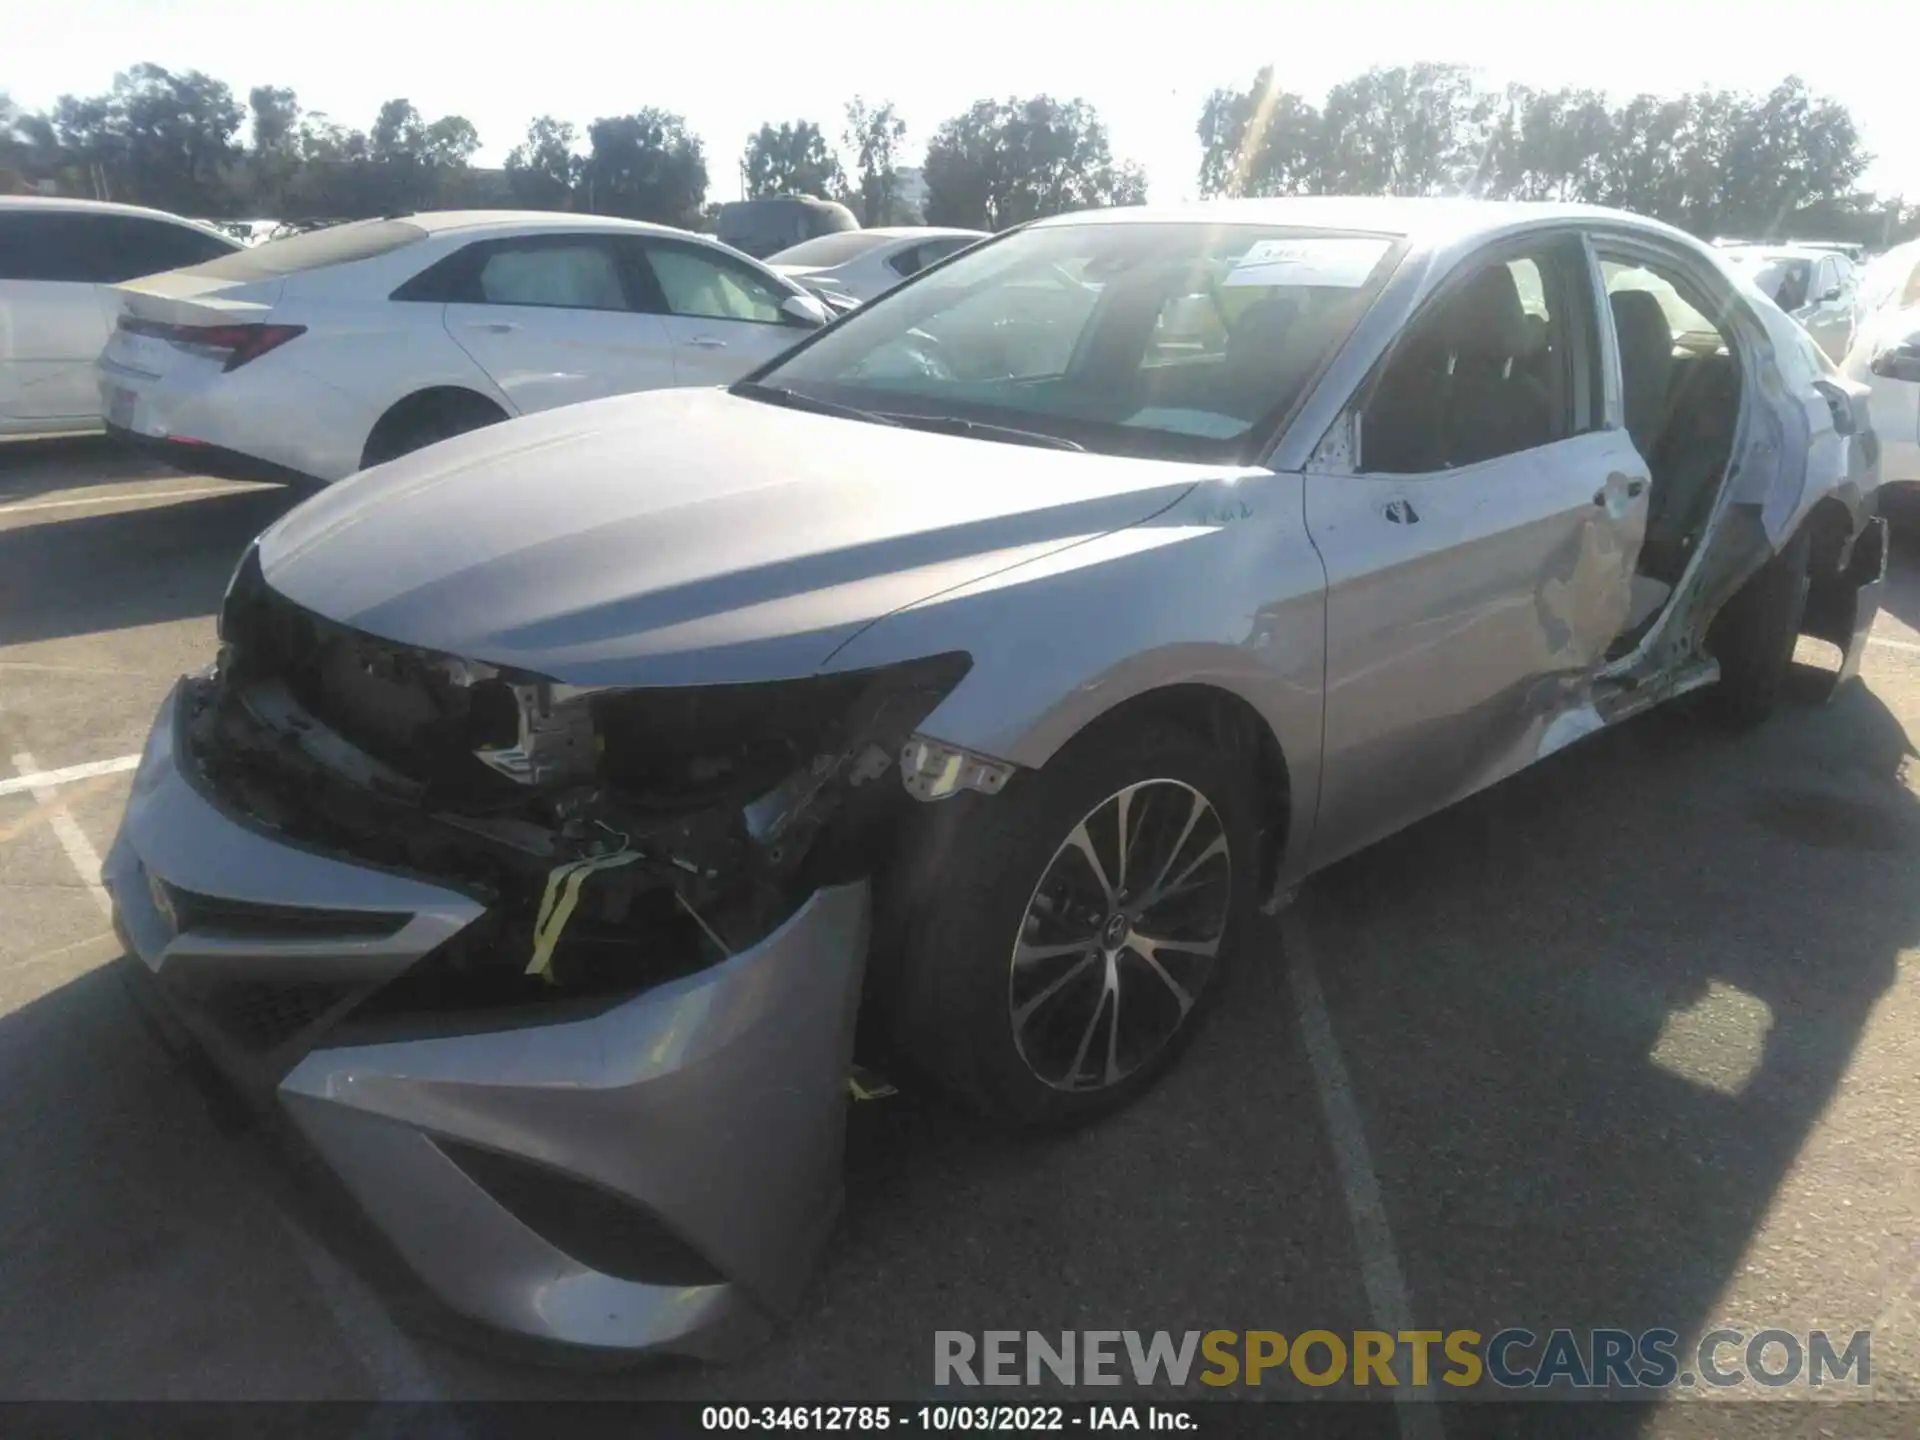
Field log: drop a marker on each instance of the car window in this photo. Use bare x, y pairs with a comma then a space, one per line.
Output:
706, 283
49, 245
580, 275
1482, 372
910, 261
1829, 278
1692, 330
1168, 339
98, 248
130, 246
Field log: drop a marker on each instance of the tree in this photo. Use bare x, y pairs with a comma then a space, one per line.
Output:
1005, 162
873, 136
1263, 141
645, 166
13, 148
542, 169
157, 138
792, 160
276, 119
1411, 130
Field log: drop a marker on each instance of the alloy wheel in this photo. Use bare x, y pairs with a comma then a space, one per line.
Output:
1121, 935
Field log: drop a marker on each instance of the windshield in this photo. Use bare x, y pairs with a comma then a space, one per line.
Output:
830, 249
1172, 340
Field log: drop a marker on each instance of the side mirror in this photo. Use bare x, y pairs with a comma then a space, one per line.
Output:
1830, 295
1898, 362
805, 310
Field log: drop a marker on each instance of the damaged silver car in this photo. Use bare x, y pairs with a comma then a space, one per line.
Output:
570, 797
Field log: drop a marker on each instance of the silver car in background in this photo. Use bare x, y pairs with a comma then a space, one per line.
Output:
563, 792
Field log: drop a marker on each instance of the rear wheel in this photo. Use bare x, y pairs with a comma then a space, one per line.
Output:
1073, 929
1753, 637
426, 419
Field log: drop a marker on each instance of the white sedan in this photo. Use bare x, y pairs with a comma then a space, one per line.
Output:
308, 358
862, 264
1886, 356
57, 260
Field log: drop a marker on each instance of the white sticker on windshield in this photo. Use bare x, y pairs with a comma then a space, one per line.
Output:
1343, 261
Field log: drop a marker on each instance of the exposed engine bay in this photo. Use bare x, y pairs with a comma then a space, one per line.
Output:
618, 837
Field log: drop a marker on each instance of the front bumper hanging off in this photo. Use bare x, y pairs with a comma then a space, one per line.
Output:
654, 1172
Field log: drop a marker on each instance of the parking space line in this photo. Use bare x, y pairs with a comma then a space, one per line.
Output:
73, 840
141, 498
47, 779
1892, 644
389, 1358
1380, 1273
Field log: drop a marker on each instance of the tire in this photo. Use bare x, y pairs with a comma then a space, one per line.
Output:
425, 420
994, 869
1753, 637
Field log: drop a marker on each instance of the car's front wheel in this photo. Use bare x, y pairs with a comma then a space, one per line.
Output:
1063, 938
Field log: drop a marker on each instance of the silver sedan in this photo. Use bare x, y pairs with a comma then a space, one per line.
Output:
564, 792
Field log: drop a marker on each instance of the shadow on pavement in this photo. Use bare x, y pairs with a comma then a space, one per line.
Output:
85, 573
33, 467
1593, 1015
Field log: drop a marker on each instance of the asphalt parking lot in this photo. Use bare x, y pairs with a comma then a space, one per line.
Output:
1630, 1041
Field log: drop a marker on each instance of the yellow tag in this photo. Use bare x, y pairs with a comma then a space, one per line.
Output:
557, 904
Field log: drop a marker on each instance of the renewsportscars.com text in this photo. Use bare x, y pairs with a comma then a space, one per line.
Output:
1511, 1359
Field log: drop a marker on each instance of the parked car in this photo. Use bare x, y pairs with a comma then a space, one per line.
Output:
56, 259
563, 792
1886, 357
307, 358
1812, 284
863, 264
778, 222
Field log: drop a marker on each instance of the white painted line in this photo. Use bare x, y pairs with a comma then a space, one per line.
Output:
383, 1350
47, 779
140, 498
1893, 644
1379, 1262
73, 840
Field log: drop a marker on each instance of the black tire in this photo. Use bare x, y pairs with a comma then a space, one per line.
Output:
1753, 637
958, 903
424, 420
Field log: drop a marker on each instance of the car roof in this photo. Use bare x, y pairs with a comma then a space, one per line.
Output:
917, 232
73, 205
1786, 252
1430, 220
441, 222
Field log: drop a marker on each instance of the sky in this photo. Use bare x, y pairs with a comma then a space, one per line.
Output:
1146, 65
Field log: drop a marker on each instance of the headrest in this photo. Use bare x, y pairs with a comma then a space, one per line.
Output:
1485, 318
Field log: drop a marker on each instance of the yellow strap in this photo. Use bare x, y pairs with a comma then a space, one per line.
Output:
557, 904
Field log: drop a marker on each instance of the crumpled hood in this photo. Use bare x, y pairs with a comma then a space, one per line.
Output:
686, 536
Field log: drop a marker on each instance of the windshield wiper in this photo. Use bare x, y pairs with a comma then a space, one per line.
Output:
957, 425
794, 400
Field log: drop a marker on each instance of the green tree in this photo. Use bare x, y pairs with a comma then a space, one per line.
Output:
156, 137
1411, 130
793, 159
873, 136
645, 166
542, 169
1005, 162
1260, 141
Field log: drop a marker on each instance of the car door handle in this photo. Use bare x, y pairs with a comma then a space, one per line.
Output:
707, 342
495, 327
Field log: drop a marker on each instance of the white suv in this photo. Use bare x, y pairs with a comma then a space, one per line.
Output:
56, 259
